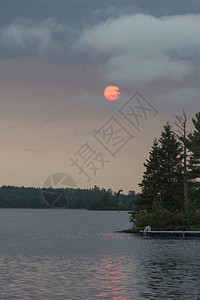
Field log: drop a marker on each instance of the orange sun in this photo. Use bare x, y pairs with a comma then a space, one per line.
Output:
111, 92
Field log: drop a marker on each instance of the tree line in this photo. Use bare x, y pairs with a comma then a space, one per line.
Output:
92, 198
170, 189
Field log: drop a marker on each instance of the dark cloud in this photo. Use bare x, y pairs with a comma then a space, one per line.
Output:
120, 44
143, 48
78, 12
49, 27
129, 48
27, 38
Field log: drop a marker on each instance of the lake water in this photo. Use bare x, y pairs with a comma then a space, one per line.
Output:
75, 254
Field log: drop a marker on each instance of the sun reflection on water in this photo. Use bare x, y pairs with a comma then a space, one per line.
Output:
62, 278
110, 278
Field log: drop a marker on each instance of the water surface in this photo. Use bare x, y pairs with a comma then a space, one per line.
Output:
75, 254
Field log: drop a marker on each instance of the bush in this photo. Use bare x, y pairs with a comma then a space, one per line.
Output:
162, 219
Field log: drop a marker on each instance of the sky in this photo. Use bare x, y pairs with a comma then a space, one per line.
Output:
56, 59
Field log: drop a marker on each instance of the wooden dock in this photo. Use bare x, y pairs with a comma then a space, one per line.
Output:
148, 232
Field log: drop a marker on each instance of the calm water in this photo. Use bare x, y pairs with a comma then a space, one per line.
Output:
75, 254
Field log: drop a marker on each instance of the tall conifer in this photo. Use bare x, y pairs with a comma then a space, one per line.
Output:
163, 177
171, 180
150, 183
194, 148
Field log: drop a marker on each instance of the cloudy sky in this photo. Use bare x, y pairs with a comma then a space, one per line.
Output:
57, 57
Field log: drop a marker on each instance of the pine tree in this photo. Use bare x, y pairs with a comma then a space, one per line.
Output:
194, 148
150, 182
163, 177
171, 169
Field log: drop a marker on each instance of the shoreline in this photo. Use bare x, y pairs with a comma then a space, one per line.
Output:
162, 233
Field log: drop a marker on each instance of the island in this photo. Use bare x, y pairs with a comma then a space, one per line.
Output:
170, 194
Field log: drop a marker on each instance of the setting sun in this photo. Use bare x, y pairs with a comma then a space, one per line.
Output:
111, 92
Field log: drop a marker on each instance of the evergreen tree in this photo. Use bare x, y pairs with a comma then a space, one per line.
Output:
150, 183
171, 170
163, 176
194, 148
